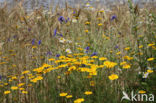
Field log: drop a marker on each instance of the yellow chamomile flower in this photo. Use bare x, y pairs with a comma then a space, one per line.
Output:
79, 100
88, 93
69, 96
100, 24
127, 48
14, 88
142, 92
63, 94
150, 59
109, 64
113, 77
7, 92
24, 92
102, 58
126, 66
86, 31
150, 71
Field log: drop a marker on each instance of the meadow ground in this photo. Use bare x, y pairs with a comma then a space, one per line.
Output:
75, 55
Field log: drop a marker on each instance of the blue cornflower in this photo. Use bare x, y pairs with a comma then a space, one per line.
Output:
9, 39
113, 17
83, 65
87, 48
29, 29
55, 32
116, 47
57, 55
74, 12
0, 77
86, 51
33, 41
67, 19
61, 19
49, 53
61, 35
39, 42
93, 54
14, 36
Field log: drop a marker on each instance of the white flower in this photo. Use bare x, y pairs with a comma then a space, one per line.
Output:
68, 51
69, 41
39, 17
145, 75
87, 5
74, 21
62, 40
49, 13
139, 72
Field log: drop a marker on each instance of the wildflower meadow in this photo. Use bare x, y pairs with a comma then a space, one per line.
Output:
78, 54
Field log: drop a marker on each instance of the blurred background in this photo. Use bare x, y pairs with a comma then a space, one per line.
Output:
46, 4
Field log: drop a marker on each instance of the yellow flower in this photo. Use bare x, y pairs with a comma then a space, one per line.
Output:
21, 84
141, 46
58, 77
142, 92
14, 88
150, 71
140, 36
101, 11
152, 44
63, 94
69, 96
86, 31
79, 100
7, 92
39, 77
25, 72
88, 93
92, 83
94, 57
21, 89
91, 61
13, 65
99, 18
72, 68
118, 53
87, 23
126, 66
100, 24
24, 92
128, 48
150, 59
51, 59
154, 47
34, 47
109, 64
113, 77
128, 58
102, 58
3, 63
122, 63
29, 85
5, 83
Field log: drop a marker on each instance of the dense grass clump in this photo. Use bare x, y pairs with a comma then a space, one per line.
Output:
75, 55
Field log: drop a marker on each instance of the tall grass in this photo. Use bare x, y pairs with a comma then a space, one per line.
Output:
51, 56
